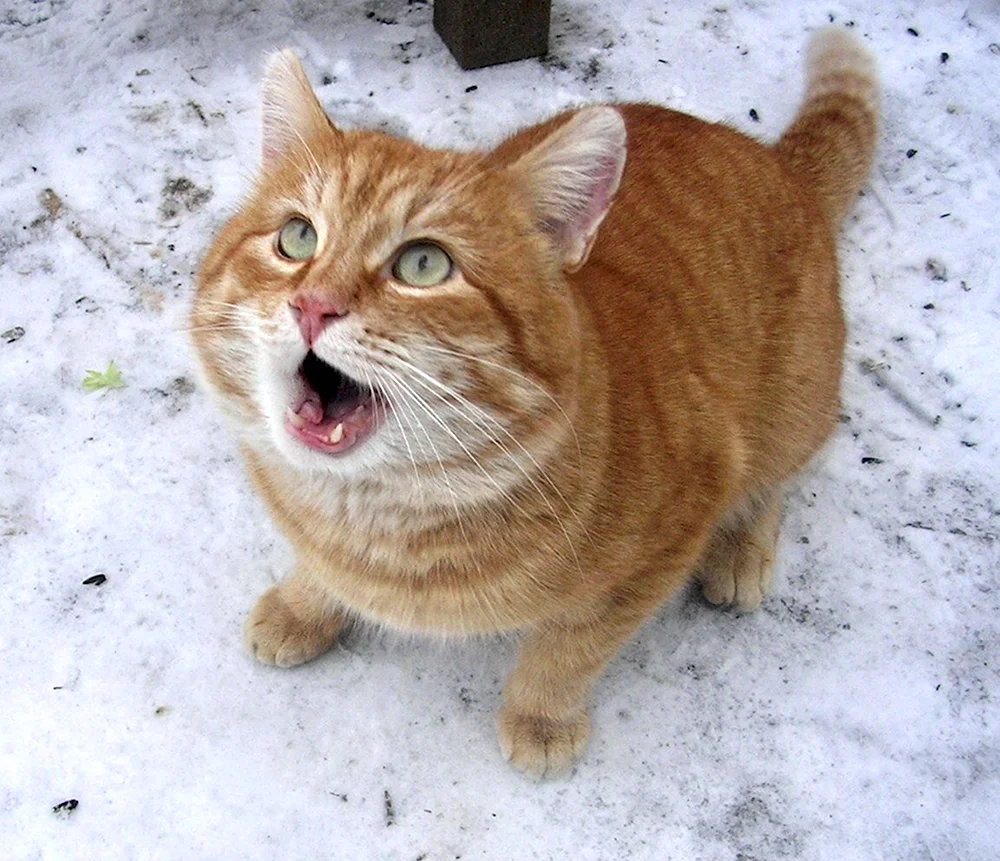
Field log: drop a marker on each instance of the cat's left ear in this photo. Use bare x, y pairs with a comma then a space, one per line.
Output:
291, 113
573, 175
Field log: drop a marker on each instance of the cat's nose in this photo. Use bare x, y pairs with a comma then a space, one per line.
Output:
315, 313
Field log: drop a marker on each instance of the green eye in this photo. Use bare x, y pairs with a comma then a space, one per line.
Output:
422, 265
297, 240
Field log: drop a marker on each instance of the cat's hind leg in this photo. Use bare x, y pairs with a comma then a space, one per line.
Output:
293, 622
738, 564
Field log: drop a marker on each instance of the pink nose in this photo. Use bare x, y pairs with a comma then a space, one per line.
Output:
315, 313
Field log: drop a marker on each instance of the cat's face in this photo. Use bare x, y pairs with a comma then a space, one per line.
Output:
379, 309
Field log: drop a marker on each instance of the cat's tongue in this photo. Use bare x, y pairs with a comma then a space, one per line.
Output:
335, 429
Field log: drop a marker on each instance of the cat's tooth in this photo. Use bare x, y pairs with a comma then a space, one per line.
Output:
337, 434
295, 418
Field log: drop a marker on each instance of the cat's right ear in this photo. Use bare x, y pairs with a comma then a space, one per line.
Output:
291, 113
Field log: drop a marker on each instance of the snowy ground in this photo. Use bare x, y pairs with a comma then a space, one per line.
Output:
853, 717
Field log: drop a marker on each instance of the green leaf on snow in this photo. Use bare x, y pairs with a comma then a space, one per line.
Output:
96, 381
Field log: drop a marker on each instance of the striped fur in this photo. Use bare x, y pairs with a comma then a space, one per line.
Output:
600, 405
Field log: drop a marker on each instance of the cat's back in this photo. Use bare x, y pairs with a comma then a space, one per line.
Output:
706, 198
714, 271
707, 223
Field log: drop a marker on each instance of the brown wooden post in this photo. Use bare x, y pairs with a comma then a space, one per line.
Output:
487, 32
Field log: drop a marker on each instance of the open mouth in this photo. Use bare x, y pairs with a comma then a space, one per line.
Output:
334, 413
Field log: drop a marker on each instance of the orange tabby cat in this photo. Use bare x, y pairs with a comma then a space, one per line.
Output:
535, 389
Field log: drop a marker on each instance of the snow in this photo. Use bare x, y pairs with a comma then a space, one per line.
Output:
853, 717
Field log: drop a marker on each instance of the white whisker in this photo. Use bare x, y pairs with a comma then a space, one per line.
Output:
522, 377
398, 384
510, 456
385, 418
461, 400
458, 396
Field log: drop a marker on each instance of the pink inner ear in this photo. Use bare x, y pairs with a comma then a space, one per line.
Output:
605, 186
573, 175
591, 209
578, 232
271, 154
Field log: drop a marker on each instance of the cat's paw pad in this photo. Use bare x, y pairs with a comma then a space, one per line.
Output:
275, 635
542, 747
742, 592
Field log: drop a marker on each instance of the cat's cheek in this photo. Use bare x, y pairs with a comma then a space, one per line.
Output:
271, 385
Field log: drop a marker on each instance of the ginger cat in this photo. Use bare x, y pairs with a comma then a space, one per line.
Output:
534, 389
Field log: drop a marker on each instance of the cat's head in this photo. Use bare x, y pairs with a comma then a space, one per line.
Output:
380, 309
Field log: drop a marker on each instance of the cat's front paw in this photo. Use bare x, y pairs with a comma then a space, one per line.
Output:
286, 630
542, 747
